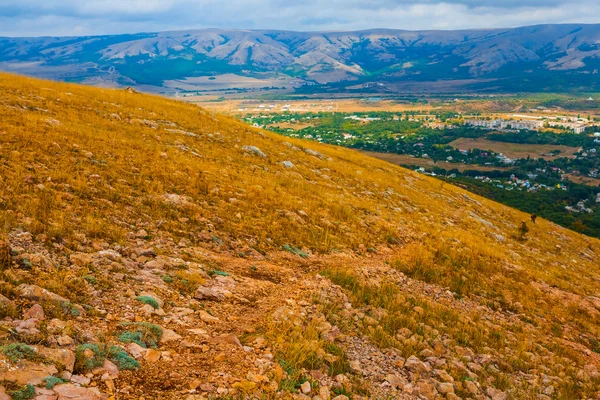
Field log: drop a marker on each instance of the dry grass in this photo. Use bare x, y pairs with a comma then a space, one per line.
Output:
78, 161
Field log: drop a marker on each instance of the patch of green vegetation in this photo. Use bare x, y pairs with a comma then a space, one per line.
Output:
148, 300
295, 250
102, 352
18, 351
25, 393
52, 381
144, 334
214, 272
91, 279
167, 279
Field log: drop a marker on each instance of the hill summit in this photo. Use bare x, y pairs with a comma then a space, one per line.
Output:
152, 249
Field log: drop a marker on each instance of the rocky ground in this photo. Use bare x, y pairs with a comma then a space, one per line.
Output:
163, 320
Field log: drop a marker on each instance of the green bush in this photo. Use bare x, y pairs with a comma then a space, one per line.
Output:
143, 333
52, 381
18, 351
148, 300
26, 393
102, 352
295, 250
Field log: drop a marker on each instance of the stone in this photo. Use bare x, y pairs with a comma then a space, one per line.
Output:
152, 355
25, 372
324, 393
306, 388
209, 319
34, 292
63, 357
341, 397
207, 387
204, 293
254, 150
5, 302
136, 350
65, 340
427, 390
68, 391
230, 339
445, 387
471, 387
36, 311
288, 164
80, 380
496, 394
413, 364
355, 366
169, 336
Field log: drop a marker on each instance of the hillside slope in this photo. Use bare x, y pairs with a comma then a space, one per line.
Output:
153, 249
531, 58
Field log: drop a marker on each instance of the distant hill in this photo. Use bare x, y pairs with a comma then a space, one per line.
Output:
533, 58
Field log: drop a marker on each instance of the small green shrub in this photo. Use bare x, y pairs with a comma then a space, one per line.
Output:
295, 250
26, 393
52, 381
18, 351
148, 300
143, 333
214, 272
102, 352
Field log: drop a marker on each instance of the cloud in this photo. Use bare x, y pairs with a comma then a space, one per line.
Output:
76, 17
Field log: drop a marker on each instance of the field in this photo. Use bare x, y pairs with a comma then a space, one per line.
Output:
515, 150
226, 81
399, 159
234, 106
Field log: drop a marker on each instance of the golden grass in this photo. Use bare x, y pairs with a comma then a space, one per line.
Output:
80, 161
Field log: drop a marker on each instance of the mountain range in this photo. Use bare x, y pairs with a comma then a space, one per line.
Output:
533, 58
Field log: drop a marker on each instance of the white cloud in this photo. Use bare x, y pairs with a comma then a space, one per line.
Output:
76, 17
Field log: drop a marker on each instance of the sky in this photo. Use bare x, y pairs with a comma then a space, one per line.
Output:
95, 17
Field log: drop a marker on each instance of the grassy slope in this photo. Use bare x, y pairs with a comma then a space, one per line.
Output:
103, 163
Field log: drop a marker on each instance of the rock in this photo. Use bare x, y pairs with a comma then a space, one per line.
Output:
496, 394
445, 387
68, 391
152, 355
288, 164
324, 393
471, 387
426, 390
207, 387
355, 366
65, 340
254, 150
341, 397
5, 302
63, 357
25, 372
34, 292
80, 380
136, 350
306, 388
209, 319
204, 293
230, 339
396, 381
413, 364
169, 336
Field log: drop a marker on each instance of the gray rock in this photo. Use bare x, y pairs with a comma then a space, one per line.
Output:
288, 164
254, 150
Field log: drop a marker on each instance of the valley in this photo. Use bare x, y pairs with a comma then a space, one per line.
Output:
551, 171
